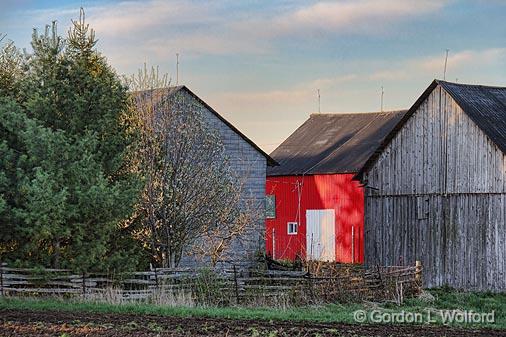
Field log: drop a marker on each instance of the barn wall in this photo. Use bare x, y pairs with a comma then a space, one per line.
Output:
250, 166
439, 196
332, 191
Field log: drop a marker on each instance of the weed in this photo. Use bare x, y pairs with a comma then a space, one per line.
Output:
152, 326
254, 332
333, 332
273, 333
132, 326
454, 300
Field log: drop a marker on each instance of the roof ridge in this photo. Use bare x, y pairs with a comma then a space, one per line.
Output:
270, 160
355, 113
361, 130
327, 145
470, 85
171, 90
449, 87
485, 92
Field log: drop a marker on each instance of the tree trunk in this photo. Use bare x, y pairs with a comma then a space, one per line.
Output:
56, 256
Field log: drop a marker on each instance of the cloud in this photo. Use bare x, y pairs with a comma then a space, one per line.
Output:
351, 16
140, 16
348, 16
202, 44
463, 59
300, 93
460, 63
203, 27
329, 82
388, 75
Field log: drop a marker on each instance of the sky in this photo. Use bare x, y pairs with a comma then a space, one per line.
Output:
260, 63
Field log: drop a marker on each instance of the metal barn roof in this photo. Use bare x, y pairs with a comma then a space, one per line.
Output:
485, 105
333, 143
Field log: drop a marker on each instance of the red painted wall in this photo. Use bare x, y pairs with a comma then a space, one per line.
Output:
332, 191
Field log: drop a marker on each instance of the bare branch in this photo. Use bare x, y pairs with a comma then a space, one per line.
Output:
191, 195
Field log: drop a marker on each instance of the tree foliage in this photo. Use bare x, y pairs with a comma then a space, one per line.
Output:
66, 185
88, 170
192, 198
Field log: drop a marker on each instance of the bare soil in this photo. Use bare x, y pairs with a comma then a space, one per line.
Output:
62, 323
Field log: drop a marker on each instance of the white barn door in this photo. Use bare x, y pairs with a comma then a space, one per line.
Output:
320, 235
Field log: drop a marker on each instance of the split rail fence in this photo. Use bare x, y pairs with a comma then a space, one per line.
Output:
318, 283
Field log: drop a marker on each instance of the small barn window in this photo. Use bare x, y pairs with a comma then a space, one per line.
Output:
292, 228
270, 206
422, 207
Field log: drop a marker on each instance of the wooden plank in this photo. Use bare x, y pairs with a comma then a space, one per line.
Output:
441, 154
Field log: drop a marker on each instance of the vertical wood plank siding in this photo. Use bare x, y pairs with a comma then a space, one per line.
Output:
442, 165
318, 192
250, 168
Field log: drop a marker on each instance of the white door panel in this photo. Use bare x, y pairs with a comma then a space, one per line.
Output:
320, 235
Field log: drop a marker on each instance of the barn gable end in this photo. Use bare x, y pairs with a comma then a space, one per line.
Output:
439, 134
248, 163
314, 180
437, 193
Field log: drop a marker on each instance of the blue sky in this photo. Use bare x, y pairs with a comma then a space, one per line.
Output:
259, 63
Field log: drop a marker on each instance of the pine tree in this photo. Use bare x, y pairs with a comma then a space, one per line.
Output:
12, 118
11, 121
73, 181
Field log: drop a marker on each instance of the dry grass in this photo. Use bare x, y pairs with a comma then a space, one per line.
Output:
176, 298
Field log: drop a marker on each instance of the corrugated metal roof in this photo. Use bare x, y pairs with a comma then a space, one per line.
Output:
172, 90
333, 143
485, 105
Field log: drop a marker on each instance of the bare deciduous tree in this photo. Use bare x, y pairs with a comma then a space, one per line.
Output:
192, 199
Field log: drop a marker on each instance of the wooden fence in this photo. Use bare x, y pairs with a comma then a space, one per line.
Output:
316, 284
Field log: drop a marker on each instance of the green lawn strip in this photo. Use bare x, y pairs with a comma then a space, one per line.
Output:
330, 313
336, 313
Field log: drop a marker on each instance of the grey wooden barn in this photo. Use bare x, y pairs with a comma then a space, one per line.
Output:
436, 189
248, 163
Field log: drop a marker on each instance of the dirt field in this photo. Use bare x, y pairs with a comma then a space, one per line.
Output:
63, 324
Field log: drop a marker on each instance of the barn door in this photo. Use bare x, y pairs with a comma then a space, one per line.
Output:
320, 235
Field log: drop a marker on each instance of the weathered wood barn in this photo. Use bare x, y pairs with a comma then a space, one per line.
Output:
248, 164
315, 209
436, 189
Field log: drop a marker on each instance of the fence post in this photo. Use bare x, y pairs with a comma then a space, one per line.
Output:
274, 244
84, 285
236, 286
352, 244
1, 278
310, 286
418, 271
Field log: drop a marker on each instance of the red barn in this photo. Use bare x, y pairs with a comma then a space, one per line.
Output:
314, 208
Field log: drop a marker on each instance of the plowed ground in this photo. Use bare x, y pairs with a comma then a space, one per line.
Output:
63, 324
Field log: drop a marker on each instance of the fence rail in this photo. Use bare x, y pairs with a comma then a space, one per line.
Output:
318, 283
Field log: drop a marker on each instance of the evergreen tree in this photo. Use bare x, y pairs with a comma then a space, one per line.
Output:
12, 68
73, 184
11, 118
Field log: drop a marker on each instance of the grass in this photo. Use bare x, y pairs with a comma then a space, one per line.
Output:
335, 313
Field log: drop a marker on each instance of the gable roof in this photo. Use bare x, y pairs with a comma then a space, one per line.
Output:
175, 89
333, 143
485, 105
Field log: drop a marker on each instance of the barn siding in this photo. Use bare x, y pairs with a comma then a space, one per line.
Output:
318, 192
250, 166
440, 155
